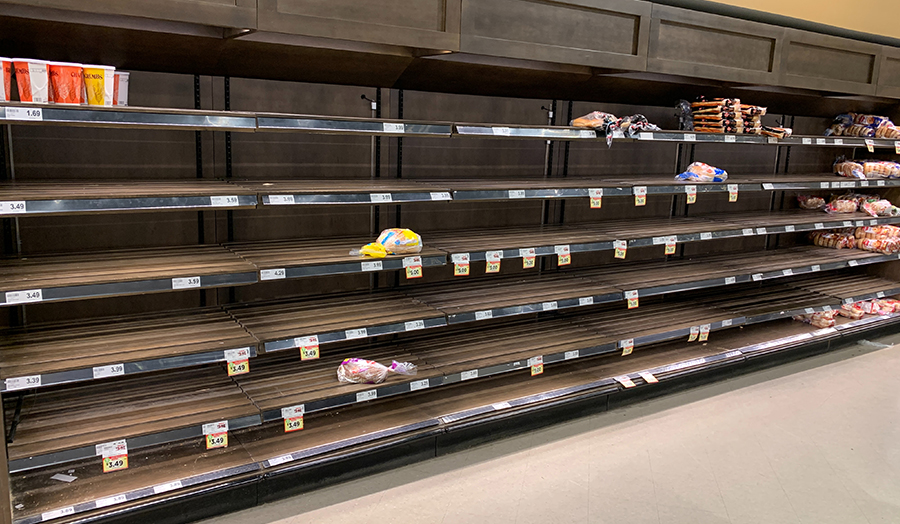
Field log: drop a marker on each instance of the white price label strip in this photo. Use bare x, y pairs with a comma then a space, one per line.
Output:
414, 325
549, 306
185, 283
16, 207
162, 488
281, 200
393, 128
442, 195
569, 355
730, 138
16, 383
352, 334
24, 297
110, 501
625, 381
276, 461
24, 113
223, 201
232, 355
500, 131
113, 370
484, 315
293, 411
586, 301
371, 266
112, 449
57, 513
419, 384
516, 193
380, 197
214, 428
468, 375
271, 274
648, 377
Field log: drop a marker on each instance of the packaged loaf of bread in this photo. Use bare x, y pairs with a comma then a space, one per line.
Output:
594, 120
880, 208
888, 246
360, 371
822, 319
851, 311
833, 239
889, 305
876, 232
841, 206
810, 202
700, 172
849, 169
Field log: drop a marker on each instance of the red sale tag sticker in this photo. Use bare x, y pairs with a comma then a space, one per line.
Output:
632, 297
640, 195
596, 198
670, 244
413, 267
621, 247
460, 264
691, 192
528, 256
309, 347
493, 261
563, 255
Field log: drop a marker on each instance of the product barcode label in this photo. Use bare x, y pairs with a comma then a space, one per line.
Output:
848, 223
657, 241
807, 141
690, 137
419, 384
393, 128
824, 185
468, 375
787, 272
232, 355
380, 197
760, 231
730, 138
815, 268
838, 141
756, 277
809, 311
112, 449
440, 195
852, 263
185, 283
516, 193
24, 297
587, 133
747, 232
16, 383
835, 185
371, 266
493, 256
880, 294
730, 280
726, 322
788, 229
219, 201
860, 223
879, 182
705, 236
363, 396
768, 186
271, 274
414, 325
113, 370
293, 411
819, 225
281, 199
863, 183
24, 113
412, 261
536, 360
586, 301
501, 131
460, 258
569, 355
162, 488
13, 207
826, 308
820, 141
549, 306
772, 140
484, 315
351, 334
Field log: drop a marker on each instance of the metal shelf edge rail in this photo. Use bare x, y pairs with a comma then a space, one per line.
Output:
386, 264
127, 368
88, 205
357, 333
127, 117
350, 126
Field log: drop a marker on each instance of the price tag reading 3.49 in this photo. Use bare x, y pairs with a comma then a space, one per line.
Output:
293, 418
309, 347
216, 434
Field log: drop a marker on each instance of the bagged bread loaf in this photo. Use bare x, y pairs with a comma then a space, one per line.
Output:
822, 319
700, 172
393, 241
360, 371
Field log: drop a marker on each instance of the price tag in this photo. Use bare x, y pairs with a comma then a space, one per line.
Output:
632, 297
419, 384
732, 192
704, 332
484, 315
24, 113
393, 128
281, 200
113, 370
569, 355
772, 140
838, 141
768, 186
112, 449
756, 277
352, 334
216, 434
596, 196
309, 347
807, 141
835, 185
24, 297
897, 147
587, 133
873, 222
586, 301
809, 311
371, 266
848, 184
705, 236
659, 240
238, 367
747, 232
516, 193
690, 137
761, 231
788, 272
110, 501
442, 195
185, 283
528, 257
870, 145
788, 229
820, 141
13, 207
293, 418
852, 263
414, 325
819, 225
670, 244
549, 306
648, 377
824, 185
730, 280
27, 382
621, 247
691, 192
537, 365
413, 267
730, 139
57, 513
625, 381
860, 223
826, 308
223, 201
848, 223
468, 375
726, 322
277, 461
879, 182
640, 195
460, 264
815, 268
493, 261
116, 463
563, 255
627, 346
695, 332
271, 274
645, 136
162, 488
380, 197
500, 131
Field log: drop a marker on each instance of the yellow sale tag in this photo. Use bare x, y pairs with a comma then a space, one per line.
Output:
537, 369
691, 192
527, 262
870, 145
217, 440
621, 247
596, 198
293, 424
640, 195
897, 147
413, 271
309, 353
670, 245
493, 267
704, 332
627, 346
632, 297
564, 260
732, 192
493, 261
238, 367
116, 463
695, 331
460, 270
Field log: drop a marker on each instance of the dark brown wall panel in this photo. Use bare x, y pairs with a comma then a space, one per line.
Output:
828, 63
691, 43
219, 13
588, 32
889, 73
429, 24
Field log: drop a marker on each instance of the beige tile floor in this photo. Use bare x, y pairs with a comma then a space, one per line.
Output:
812, 442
